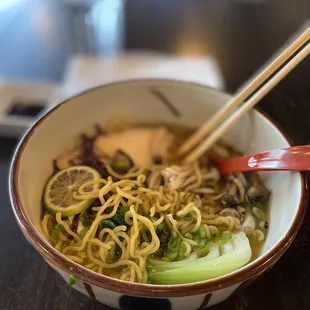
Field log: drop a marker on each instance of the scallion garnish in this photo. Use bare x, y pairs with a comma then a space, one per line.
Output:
161, 227
108, 223
174, 243
257, 204
85, 222
59, 227
72, 280
202, 232
188, 235
117, 219
188, 217
55, 231
123, 210
223, 237
202, 243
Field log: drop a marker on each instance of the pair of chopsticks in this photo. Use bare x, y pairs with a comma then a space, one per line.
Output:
211, 131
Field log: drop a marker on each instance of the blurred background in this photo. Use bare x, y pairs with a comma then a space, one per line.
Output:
52, 49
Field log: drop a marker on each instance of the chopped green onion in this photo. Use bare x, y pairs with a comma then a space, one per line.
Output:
123, 210
188, 217
160, 227
55, 234
257, 204
153, 219
114, 254
223, 237
188, 235
264, 230
85, 222
111, 259
166, 259
159, 253
202, 232
173, 255
117, 252
55, 231
182, 252
107, 224
202, 243
195, 268
72, 280
84, 232
109, 210
117, 219
174, 243
59, 227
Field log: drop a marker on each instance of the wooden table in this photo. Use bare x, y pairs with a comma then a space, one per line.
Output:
240, 36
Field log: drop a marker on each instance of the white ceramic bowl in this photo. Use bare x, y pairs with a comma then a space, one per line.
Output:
150, 101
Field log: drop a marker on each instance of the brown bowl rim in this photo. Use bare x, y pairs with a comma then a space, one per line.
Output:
52, 255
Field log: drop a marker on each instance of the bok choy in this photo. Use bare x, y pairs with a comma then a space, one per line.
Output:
221, 258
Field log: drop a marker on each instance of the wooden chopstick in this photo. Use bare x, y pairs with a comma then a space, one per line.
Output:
256, 97
244, 93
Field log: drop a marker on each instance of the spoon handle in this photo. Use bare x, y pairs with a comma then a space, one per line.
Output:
296, 158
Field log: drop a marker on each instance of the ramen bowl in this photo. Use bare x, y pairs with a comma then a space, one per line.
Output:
151, 101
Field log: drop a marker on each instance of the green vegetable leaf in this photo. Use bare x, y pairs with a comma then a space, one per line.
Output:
84, 231
117, 219
56, 229
59, 227
72, 280
174, 243
201, 232
108, 223
223, 237
85, 222
202, 243
188, 235
123, 210
193, 269
257, 204
160, 228
109, 210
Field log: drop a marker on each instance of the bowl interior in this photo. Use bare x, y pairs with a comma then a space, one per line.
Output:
192, 105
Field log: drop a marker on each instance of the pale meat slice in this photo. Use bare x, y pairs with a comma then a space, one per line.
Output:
140, 144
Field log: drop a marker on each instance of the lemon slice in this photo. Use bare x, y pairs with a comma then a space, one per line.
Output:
58, 194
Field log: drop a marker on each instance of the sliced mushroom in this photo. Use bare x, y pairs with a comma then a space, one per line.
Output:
241, 210
242, 178
240, 187
230, 212
258, 193
154, 179
232, 189
248, 225
229, 200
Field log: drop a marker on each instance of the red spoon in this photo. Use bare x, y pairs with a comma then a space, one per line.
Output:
296, 158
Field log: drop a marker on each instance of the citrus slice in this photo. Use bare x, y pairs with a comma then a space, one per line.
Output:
58, 194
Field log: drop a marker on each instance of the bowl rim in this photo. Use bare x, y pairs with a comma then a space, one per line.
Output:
57, 260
